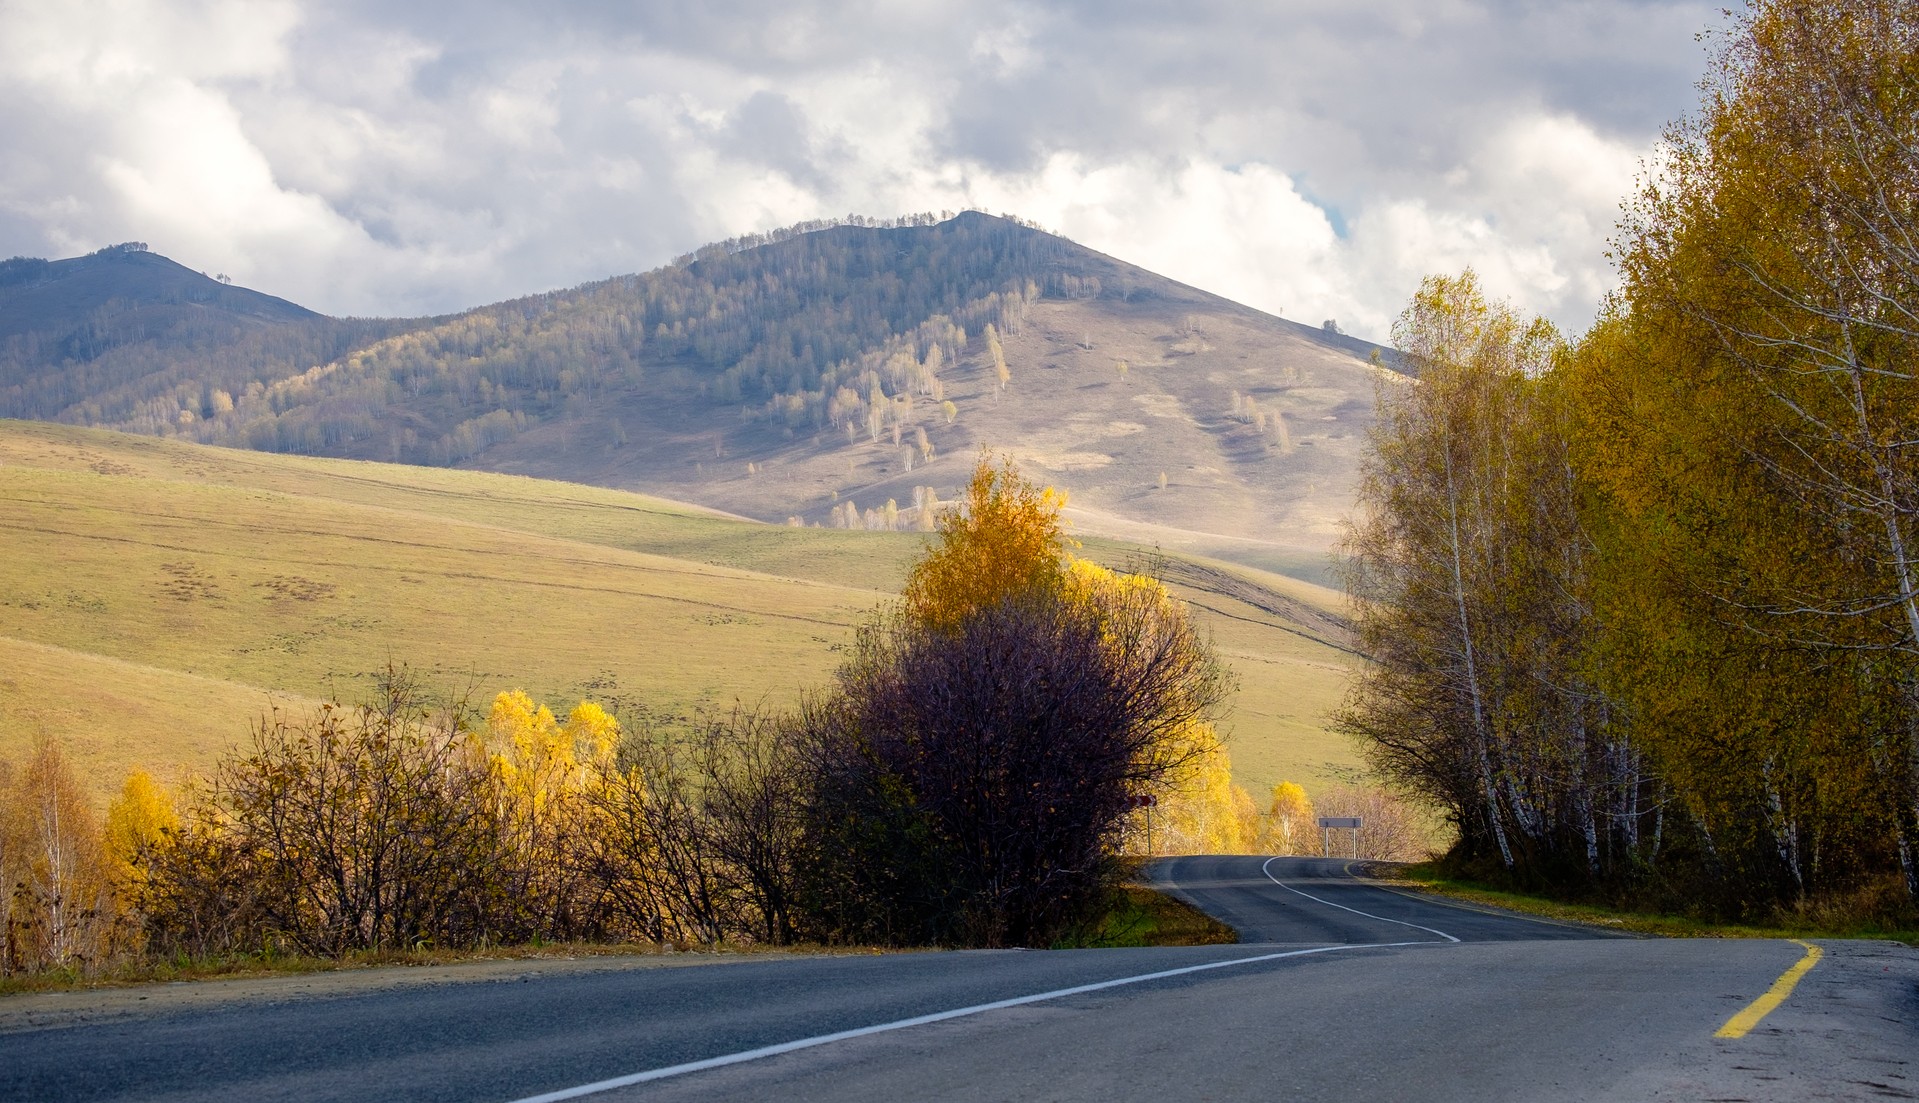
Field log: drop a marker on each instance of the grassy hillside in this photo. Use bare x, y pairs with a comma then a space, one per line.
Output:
155, 595
113, 717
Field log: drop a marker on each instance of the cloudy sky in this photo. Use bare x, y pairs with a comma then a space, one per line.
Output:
1309, 157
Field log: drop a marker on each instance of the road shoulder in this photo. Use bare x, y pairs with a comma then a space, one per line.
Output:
1850, 1030
45, 1010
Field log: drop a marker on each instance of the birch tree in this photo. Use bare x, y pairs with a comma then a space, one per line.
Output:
1470, 569
1767, 407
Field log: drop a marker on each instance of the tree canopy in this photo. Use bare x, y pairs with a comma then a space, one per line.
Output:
1645, 608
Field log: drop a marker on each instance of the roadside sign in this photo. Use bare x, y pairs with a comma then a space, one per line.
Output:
1344, 823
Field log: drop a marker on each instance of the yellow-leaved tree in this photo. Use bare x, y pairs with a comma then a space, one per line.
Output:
1291, 826
1196, 809
542, 771
137, 820
1200, 810
58, 911
1004, 540
1750, 408
977, 768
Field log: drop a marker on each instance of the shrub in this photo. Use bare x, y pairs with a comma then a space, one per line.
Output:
344, 830
972, 773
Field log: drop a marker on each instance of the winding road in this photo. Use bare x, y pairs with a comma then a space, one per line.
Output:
1339, 990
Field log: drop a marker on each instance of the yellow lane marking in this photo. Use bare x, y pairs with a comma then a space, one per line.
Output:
1738, 1025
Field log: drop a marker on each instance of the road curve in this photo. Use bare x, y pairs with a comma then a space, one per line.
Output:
1322, 900
1350, 993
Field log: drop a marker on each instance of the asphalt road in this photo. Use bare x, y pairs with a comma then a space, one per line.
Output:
1340, 991
1319, 900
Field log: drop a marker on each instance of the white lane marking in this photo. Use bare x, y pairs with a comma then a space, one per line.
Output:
922, 1020
1496, 913
1269, 876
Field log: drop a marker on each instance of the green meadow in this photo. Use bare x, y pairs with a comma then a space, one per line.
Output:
157, 598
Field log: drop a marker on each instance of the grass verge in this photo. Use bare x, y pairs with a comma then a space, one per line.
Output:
1427, 877
1140, 916
1135, 916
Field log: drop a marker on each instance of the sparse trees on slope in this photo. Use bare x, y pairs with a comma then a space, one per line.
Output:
1001, 374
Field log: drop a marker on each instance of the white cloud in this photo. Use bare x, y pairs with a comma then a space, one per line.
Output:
423, 158
142, 139
1245, 233
96, 50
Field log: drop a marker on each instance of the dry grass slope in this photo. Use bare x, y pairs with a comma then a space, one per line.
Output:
155, 596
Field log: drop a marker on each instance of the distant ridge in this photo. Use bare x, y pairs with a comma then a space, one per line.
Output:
51, 295
126, 338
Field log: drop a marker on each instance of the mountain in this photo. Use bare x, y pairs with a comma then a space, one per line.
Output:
832, 374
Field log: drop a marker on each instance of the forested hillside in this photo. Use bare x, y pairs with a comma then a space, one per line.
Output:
828, 373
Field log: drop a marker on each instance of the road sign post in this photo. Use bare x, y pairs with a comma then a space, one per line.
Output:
1326, 825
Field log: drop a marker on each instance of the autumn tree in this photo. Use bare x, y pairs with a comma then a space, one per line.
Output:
1753, 412
400, 822
138, 820
751, 798
53, 869
700, 833
1473, 580
541, 771
1290, 820
142, 819
1646, 610
342, 829
1392, 828
1004, 540
1198, 809
662, 878
974, 769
